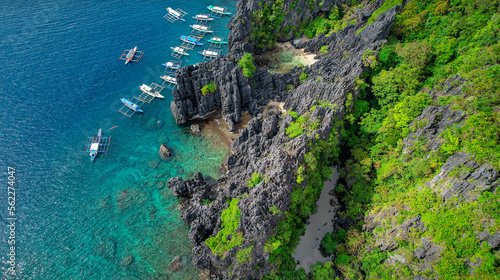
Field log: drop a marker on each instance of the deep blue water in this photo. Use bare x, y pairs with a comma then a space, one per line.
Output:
60, 81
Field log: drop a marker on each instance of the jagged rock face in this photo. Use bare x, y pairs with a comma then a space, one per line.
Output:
233, 93
295, 12
263, 146
471, 177
341, 66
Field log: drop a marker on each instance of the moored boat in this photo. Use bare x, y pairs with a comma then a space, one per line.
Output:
149, 90
217, 40
169, 79
130, 55
201, 28
209, 53
203, 17
131, 105
171, 65
94, 145
219, 10
175, 14
179, 50
190, 40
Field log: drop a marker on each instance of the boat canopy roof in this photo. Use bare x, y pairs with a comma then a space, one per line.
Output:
94, 146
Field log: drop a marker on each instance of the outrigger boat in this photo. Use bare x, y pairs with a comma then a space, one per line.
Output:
217, 40
131, 55
149, 90
209, 53
179, 50
169, 79
190, 40
172, 65
201, 28
174, 15
97, 144
203, 17
219, 10
132, 106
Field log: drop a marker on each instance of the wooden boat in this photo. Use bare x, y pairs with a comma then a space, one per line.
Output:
97, 144
203, 17
130, 55
209, 53
179, 50
149, 90
172, 65
190, 40
217, 40
175, 15
169, 79
201, 28
219, 10
132, 106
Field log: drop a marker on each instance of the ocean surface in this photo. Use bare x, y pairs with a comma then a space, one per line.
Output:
60, 81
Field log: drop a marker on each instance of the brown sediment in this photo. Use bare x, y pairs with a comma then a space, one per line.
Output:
218, 129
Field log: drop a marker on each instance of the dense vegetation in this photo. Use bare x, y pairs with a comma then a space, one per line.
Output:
246, 65
230, 218
266, 24
432, 41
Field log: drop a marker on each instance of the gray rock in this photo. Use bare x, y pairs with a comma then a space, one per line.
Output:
175, 264
494, 240
128, 260
165, 151
429, 252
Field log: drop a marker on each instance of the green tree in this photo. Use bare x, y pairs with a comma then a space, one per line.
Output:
246, 65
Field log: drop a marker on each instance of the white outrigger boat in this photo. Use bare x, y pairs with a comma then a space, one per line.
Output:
97, 144
203, 17
179, 50
174, 15
219, 10
201, 28
130, 55
149, 90
210, 53
169, 79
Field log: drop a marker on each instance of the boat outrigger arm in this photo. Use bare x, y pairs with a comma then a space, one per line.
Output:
96, 145
131, 55
174, 15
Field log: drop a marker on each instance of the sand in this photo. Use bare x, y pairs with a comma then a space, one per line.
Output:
307, 252
219, 129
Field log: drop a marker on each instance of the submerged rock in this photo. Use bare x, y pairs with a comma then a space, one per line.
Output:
176, 264
128, 260
106, 248
196, 129
165, 151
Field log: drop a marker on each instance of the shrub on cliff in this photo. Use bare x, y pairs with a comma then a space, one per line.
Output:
230, 217
210, 88
247, 66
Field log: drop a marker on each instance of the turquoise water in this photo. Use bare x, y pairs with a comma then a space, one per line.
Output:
60, 81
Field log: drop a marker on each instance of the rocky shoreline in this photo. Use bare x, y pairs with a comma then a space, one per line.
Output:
263, 146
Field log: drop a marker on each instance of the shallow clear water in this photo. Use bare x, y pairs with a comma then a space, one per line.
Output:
60, 81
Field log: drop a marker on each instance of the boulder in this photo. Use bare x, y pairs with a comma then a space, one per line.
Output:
165, 151
176, 264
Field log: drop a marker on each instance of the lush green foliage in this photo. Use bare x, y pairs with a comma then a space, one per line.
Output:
337, 19
323, 49
210, 88
330, 241
433, 41
246, 65
255, 180
274, 210
388, 4
244, 255
281, 245
301, 125
303, 77
266, 24
220, 244
320, 271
